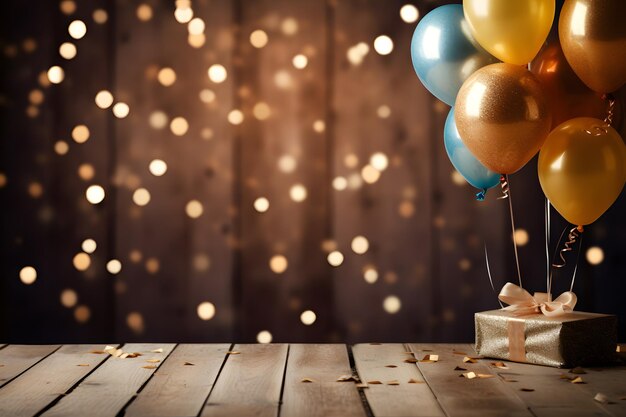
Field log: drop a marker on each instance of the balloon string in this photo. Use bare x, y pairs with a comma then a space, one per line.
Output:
489, 275
506, 191
580, 245
547, 227
504, 185
610, 112
572, 238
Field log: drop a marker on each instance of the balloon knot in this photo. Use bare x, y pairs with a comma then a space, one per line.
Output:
481, 195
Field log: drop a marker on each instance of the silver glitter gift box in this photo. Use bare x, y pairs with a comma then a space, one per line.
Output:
573, 339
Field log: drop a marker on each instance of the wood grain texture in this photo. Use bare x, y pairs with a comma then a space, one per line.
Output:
183, 261
460, 396
15, 359
250, 382
107, 390
406, 399
182, 384
49, 379
324, 396
553, 393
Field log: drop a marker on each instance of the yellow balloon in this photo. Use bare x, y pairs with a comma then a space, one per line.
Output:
582, 169
511, 30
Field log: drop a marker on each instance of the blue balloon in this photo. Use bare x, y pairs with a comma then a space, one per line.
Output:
465, 162
444, 53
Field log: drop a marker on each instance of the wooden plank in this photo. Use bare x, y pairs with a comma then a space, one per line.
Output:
198, 168
250, 382
553, 394
374, 363
49, 379
107, 390
15, 359
324, 396
296, 99
182, 384
462, 396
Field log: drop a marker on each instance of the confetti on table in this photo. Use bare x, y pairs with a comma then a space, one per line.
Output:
500, 365
149, 367
159, 350
189, 364
153, 360
411, 360
430, 358
469, 375
306, 380
458, 368
527, 389
393, 382
467, 359
601, 398
344, 378
577, 380
374, 382
80, 364
362, 385
416, 381
391, 366
233, 352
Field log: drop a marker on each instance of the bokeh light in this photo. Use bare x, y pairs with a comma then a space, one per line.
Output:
166, 76
179, 126
261, 204
95, 194
67, 50
308, 317
360, 245
335, 258
521, 237
141, 197
157, 167
383, 45
28, 275
194, 209
80, 134
409, 13
121, 110
104, 99
81, 261
258, 38
217, 73
68, 298
300, 61
114, 266
56, 74
206, 310
595, 255
278, 264
392, 304
89, 246
298, 193
77, 29
264, 337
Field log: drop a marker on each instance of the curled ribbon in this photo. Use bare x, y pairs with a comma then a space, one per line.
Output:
521, 303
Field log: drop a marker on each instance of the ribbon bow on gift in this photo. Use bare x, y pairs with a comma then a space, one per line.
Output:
522, 303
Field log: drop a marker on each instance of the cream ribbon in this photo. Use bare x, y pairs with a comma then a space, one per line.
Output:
522, 303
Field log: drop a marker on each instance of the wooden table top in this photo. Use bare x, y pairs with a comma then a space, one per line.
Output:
294, 380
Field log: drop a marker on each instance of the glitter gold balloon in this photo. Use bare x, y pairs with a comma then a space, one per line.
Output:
511, 30
502, 116
582, 169
593, 37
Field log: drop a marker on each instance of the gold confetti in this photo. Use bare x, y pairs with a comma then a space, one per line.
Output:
527, 389
458, 352
430, 358
189, 364
410, 360
620, 348
577, 380
306, 380
159, 350
467, 359
374, 382
233, 352
509, 380
578, 370
344, 378
80, 364
500, 365
391, 366
124, 355
458, 368
469, 375
415, 381
149, 367
393, 382
601, 398
153, 360
485, 376
134, 354
97, 352
362, 385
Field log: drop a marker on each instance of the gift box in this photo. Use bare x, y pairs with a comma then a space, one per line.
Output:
566, 340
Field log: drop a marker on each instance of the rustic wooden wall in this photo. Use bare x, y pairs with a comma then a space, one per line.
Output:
425, 231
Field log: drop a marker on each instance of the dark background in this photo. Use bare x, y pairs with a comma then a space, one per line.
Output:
425, 230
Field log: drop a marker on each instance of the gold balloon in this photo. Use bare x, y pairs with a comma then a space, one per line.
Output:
593, 37
582, 169
502, 116
511, 30
567, 95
